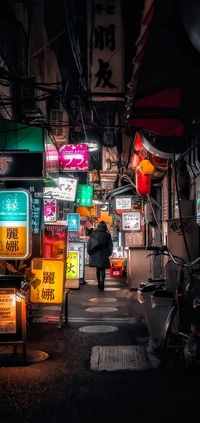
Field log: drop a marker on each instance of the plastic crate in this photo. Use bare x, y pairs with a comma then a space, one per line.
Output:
116, 271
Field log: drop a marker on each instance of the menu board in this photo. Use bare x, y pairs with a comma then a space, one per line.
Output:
131, 221
7, 311
135, 239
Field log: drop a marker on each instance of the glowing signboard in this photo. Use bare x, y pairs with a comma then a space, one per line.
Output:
72, 265
50, 210
84, 195
47, 288
74, 157
7, 311
80, 247
73, 220
65, 192
15, 224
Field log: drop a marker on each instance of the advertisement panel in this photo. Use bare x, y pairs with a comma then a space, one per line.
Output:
15, 224
47, 288
73, 220
80, 247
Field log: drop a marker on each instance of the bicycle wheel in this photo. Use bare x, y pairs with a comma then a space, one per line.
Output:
170, 344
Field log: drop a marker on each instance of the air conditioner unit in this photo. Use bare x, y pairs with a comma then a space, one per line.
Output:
29, 94
59, 122
110, 159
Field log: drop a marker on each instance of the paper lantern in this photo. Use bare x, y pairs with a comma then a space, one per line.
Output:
143, 182
146, 167
138, 142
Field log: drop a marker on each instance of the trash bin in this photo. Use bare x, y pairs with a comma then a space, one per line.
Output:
161, 301
144, 297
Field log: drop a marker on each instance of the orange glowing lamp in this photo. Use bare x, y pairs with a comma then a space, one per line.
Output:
146, 167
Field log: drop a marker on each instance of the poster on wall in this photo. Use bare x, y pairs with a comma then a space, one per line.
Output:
47, 288
7, 311
131, 221
15, 224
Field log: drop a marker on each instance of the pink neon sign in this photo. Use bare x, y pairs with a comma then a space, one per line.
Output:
74, 157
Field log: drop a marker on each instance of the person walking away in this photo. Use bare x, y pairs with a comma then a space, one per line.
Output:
100, 248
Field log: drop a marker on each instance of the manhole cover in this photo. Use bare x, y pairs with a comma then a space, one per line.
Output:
98, 329
103, 300
101, 309
112, 289
34, 356
112, 283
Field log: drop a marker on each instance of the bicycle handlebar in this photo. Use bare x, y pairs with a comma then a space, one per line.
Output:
163, 248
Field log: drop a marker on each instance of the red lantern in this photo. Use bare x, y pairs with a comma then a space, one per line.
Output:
142, 182
137, 142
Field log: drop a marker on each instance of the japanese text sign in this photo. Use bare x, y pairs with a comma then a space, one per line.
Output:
50, 210
72, 265
106, 69
65, 192
15, 224
73, 220
131, 221
74, 157
47, 288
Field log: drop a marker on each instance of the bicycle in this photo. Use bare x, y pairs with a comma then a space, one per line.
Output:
180, 342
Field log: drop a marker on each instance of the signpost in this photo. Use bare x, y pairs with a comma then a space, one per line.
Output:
15, 224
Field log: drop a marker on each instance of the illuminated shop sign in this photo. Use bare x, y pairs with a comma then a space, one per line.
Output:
15, 225
47, 288
7, 311
123, 203
72, 265
73, 220
80, 247
74, 157
84, 195
50, 210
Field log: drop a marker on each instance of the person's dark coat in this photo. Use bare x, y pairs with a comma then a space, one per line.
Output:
100, 258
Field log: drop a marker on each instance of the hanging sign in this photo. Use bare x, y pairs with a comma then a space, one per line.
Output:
80, 247
74, 157
131, 221
50, 210
7, 311
15, 224
47, 288
105, 40
73, 221
36, 215
72, 265
84, 195
65, 192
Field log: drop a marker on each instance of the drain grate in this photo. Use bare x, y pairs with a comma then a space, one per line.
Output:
102, 319
122, 357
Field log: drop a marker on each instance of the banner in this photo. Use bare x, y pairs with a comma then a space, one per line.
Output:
105, 48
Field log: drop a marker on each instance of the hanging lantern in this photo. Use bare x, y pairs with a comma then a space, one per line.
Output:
160, 164
137, 142
135, 161
142, 182
146, 167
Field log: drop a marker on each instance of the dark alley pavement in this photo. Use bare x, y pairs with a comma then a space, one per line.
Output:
64, 389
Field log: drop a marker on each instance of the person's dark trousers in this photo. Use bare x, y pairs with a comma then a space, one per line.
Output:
101, 278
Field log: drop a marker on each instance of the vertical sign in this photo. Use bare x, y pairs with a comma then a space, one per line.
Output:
80, 247
73, 221
105, 47
50, 210
7, 311
14, 224
72, 265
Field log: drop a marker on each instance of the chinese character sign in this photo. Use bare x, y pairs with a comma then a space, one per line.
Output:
123, 203
80, 247
74, 157
65, 192
73, 220
72, 265
15, 224
131, 221
107, 57
47, 288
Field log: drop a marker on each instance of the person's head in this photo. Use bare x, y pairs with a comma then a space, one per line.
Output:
102, 226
